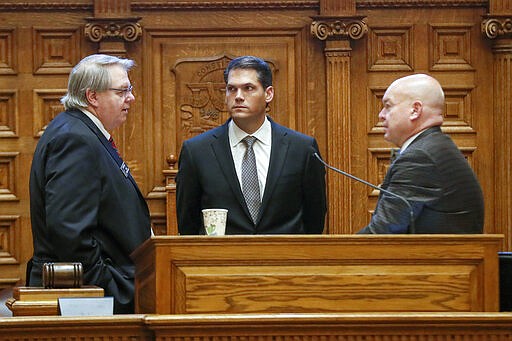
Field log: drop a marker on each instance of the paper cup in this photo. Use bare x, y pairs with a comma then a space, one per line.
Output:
214, 220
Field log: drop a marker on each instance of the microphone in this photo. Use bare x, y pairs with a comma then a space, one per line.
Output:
412, 229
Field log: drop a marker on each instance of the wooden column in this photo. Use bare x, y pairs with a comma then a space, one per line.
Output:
497, 25
113, 26
337, 25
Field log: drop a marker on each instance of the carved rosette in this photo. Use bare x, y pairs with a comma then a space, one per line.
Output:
336, 28
125, 29
497, 27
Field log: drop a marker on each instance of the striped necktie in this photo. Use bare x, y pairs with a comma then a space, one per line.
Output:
250, 184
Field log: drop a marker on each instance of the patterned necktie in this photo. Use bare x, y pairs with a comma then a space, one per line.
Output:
250, 184
111, 140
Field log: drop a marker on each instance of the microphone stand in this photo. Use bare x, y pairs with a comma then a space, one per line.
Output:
412, 228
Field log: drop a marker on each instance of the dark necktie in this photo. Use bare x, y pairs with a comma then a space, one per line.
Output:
250, 184
111, 140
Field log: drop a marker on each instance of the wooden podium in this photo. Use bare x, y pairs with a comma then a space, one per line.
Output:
320, 274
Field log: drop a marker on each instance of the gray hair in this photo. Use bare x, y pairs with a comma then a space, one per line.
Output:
91, 73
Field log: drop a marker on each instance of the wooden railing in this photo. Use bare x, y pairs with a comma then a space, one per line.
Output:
243, 327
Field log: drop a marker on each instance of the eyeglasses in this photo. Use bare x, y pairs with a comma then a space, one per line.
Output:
125, 91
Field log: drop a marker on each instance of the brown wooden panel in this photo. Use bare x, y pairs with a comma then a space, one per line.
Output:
41, 41
268, 274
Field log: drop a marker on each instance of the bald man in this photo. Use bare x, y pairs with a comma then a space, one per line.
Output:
430, 171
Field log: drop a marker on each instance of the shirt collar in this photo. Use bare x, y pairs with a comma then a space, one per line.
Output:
263, 134
409, 141
97, 122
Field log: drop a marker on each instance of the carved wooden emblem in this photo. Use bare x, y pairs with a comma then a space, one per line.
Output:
200, 94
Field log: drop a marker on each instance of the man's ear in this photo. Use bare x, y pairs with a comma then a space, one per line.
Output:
269, 94
416, 110
92, 97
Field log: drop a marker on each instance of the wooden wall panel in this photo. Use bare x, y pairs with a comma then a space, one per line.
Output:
181, 49
441, 42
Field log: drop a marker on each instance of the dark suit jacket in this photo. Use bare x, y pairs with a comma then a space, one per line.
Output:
84, 208
293, 201
433, 175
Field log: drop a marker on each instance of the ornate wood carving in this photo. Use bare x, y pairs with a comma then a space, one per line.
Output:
337, 32
497, 26
126, 29
338, 28
502, 50
112, 26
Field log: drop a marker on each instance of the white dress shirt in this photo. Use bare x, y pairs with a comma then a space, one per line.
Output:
97, 122
262, 147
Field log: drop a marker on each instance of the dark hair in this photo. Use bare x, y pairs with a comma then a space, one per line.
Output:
253, 63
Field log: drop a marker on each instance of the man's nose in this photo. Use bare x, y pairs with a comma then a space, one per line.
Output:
239, 94
382, 115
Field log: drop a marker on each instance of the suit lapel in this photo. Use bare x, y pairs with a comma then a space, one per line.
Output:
123, 167
278, 154
222, 151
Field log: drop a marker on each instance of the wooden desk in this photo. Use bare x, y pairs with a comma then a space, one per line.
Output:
317, 274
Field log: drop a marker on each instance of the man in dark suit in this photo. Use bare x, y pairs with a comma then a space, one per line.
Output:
84, 204
430, 171
290, 182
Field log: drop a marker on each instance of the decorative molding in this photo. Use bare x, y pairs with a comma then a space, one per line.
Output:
38, 5
458, 109
363, 4
8, 50
379, 160
450, 47
238, 4
224, 4
391, 48
9, 172
46, 106
9, 239
56, 50
497, 27
338, 28
8, 113
125, 29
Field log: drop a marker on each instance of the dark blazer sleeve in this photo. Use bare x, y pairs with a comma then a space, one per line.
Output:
315, 203
413, 176
188, 194
73, 193
76, 185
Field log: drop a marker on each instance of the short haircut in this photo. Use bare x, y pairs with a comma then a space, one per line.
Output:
253, 63
91, 73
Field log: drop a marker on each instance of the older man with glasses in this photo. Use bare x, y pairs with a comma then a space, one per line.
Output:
85, 206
